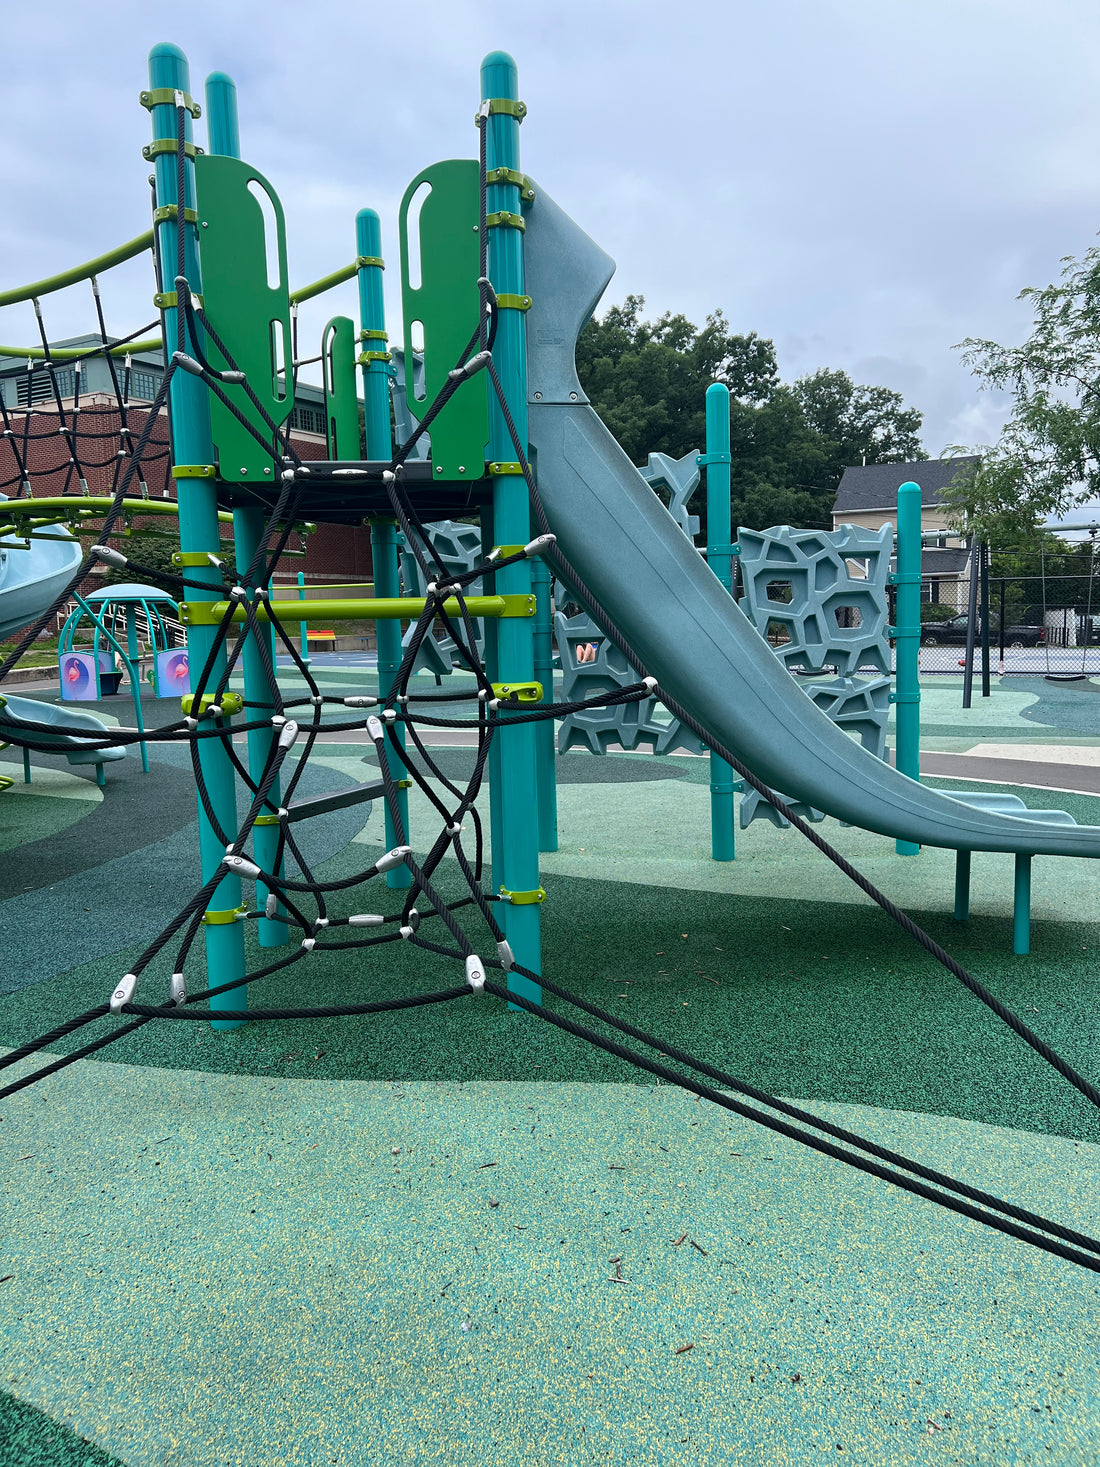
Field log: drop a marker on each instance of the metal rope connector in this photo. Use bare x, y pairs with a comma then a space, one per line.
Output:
393, 858
409, 930
651, 683
288, 735
375, 729
178, 989
271, 906
475, 973
539, 545
309, 943
506, 956
240, 867
237, 593
189, 364
363, 700
470, 368
366, 919
124, 992
112, 557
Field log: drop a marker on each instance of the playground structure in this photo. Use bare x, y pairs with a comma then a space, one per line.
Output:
507, 281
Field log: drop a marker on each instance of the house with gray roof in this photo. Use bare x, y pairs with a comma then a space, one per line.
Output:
868, 496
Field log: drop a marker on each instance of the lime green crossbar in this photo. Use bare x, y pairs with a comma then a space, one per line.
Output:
405, 608
116, 256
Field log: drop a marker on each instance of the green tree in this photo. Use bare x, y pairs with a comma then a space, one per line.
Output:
1047, 458
790, 443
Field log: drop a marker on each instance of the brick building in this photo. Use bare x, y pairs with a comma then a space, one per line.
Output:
64, 433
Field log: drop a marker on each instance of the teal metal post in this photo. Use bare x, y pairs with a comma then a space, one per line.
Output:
304, 633
134, 672
962, 886
516, 787
383, 533
249, 533
1021, 905
906, 693
716, 466
546, 746
198, 522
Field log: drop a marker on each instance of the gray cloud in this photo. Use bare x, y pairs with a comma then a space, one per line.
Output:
866, 183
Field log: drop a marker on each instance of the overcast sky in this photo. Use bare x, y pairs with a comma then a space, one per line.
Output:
864, 182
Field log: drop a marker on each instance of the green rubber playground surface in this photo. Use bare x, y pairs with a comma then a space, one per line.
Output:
458, 1235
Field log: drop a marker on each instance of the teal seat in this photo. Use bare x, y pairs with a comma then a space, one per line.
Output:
17, 713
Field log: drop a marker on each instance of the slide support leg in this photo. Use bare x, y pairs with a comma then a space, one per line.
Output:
1021, 906
962, 886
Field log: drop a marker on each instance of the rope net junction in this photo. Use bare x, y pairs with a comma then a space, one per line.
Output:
456, 932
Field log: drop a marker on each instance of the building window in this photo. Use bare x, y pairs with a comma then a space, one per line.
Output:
35, 387
144, 384
308, 419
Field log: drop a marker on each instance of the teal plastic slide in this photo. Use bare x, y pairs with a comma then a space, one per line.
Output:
32, 574
680, 621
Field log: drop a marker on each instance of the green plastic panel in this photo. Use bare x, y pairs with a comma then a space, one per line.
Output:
446, 304
341, 402
250, 315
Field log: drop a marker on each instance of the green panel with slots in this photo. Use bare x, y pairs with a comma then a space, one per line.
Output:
446, 303
249, 314
341, 402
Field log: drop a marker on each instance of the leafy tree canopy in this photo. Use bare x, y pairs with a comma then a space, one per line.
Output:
1047, 458
790, 442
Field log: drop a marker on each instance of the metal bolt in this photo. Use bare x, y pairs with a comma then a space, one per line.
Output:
267, 471
243, 472
572, 397
462, 468
206, 224
439, 468
538, 396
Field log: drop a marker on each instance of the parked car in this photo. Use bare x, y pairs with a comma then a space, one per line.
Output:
953, 633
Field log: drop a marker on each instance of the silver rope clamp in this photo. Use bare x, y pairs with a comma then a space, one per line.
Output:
178, 989
362, 701
375, 729
309, 943
366, 919
539, 545
471, 368
393, 858
288, 735
475, 973
506, 956
124, 992
240, 867
409, 930
112, 557
271, 906
650, 683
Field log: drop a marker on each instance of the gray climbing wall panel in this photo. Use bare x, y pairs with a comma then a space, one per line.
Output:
458, 546
819, 598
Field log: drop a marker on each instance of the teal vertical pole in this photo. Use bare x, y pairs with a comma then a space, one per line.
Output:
546, 751
1021, 906
517, 785
907, 642
962, 886
198, 523
716, 467
304, 632
249, 533
134, 677
383, 533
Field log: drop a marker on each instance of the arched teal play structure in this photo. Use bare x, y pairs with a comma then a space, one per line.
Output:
108, 623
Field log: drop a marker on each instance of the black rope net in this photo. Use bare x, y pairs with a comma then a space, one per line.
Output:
463, 936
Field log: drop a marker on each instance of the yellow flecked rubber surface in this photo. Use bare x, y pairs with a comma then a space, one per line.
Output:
215, 1269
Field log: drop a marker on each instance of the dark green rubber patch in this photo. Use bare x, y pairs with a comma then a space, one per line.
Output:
30, 1438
